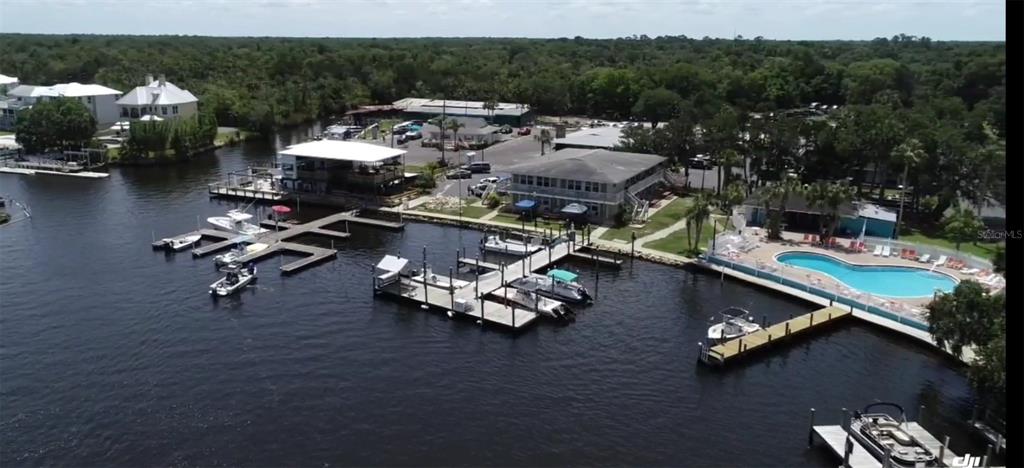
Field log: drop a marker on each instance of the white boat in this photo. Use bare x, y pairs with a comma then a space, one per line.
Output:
733, 325
235, 222
509, 246
236, 278
234, 255
540, 304
558, 284
880, 433
181, 242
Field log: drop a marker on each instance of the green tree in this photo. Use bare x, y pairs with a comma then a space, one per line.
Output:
968, 316
733, 195
57, 124
999, 259
778, 194
695, 214
909, 154
828, 198
657, 105
962, 225
544, 137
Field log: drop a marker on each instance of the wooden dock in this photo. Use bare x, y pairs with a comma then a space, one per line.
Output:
444, 298
860, 457
278, 235
732, 350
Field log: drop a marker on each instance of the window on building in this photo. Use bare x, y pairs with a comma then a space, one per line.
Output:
163, 110
174, 110
88, 99
529, 180
124, 112
561, 183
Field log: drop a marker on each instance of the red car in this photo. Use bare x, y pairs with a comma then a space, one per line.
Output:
524, 131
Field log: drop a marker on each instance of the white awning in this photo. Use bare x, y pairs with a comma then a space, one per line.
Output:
342, 151
393, 264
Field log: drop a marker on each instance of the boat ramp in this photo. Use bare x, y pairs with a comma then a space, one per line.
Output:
735, 349
278, 239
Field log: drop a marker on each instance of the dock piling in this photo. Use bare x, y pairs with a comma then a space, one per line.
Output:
810, 430
787, 328
451, 285
988, 456
847, 450
426, 298
887, 458
842, 422
764, 321
920, 415
476, 284
942, 448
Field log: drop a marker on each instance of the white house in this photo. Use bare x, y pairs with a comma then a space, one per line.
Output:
7, 83
100, 100
159, 98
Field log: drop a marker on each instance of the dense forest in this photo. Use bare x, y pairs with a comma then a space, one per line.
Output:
259, 83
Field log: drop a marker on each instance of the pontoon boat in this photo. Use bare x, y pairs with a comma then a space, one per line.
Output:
880, 431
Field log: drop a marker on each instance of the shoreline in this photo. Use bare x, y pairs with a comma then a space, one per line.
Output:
920, 336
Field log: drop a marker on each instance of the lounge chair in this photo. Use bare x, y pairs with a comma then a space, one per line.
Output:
886, 251
969, 271
904, 252
807, 238
878, 250
853, 246
924, 258
992, 281
941, 261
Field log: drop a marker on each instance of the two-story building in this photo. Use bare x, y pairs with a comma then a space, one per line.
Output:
603, 181
100, 100
159, 98
336, 166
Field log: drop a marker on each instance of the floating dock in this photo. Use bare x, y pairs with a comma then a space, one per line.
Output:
439, 292
860, 457
276, 238
735, 349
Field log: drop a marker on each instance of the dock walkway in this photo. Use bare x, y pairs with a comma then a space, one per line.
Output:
734, 349
835, 437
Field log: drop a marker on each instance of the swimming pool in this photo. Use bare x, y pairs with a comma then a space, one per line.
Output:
890, 281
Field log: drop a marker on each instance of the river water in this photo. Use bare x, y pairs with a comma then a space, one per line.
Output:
114, 354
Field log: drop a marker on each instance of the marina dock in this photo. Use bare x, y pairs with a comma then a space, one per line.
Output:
277, 239
735, 349
440, 292
835, 438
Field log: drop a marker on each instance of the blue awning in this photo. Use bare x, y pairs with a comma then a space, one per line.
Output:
526, 204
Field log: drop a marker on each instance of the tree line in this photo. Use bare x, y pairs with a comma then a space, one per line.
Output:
260, 83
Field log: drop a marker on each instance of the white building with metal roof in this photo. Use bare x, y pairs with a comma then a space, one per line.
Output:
100, 100
327, 166
160, 98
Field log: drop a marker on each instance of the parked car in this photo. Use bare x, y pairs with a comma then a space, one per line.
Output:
478, 166
505, 129
701, 162
490, 180
459, 174
479, 189
524, 131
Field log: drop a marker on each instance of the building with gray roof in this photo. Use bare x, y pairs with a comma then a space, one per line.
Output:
590, 138
503, 113
603, 181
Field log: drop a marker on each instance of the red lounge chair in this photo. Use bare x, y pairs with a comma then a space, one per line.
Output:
807, 238
853, 245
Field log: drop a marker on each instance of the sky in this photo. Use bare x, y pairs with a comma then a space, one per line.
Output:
772, 19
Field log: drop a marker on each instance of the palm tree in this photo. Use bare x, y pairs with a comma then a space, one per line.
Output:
544, 137
695, 214
489, 106
909, 153
778, 193
828, 197
727, 160
454, 125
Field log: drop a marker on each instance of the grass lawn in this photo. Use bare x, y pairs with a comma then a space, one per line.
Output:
675, 243
2, 133
475, 212
984, 250
513, 220
663, 218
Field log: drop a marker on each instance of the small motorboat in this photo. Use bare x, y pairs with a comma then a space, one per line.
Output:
560, 285
234, 255
879, 433
236, 277
181, 242
235, 222
733, 325
542, 305
509, 246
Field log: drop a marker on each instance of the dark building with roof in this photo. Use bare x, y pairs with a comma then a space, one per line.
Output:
603, 181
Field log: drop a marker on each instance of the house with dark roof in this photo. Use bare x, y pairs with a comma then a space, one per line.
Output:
800, 216
603, 181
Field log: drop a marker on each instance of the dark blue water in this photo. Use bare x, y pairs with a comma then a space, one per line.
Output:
112, 354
